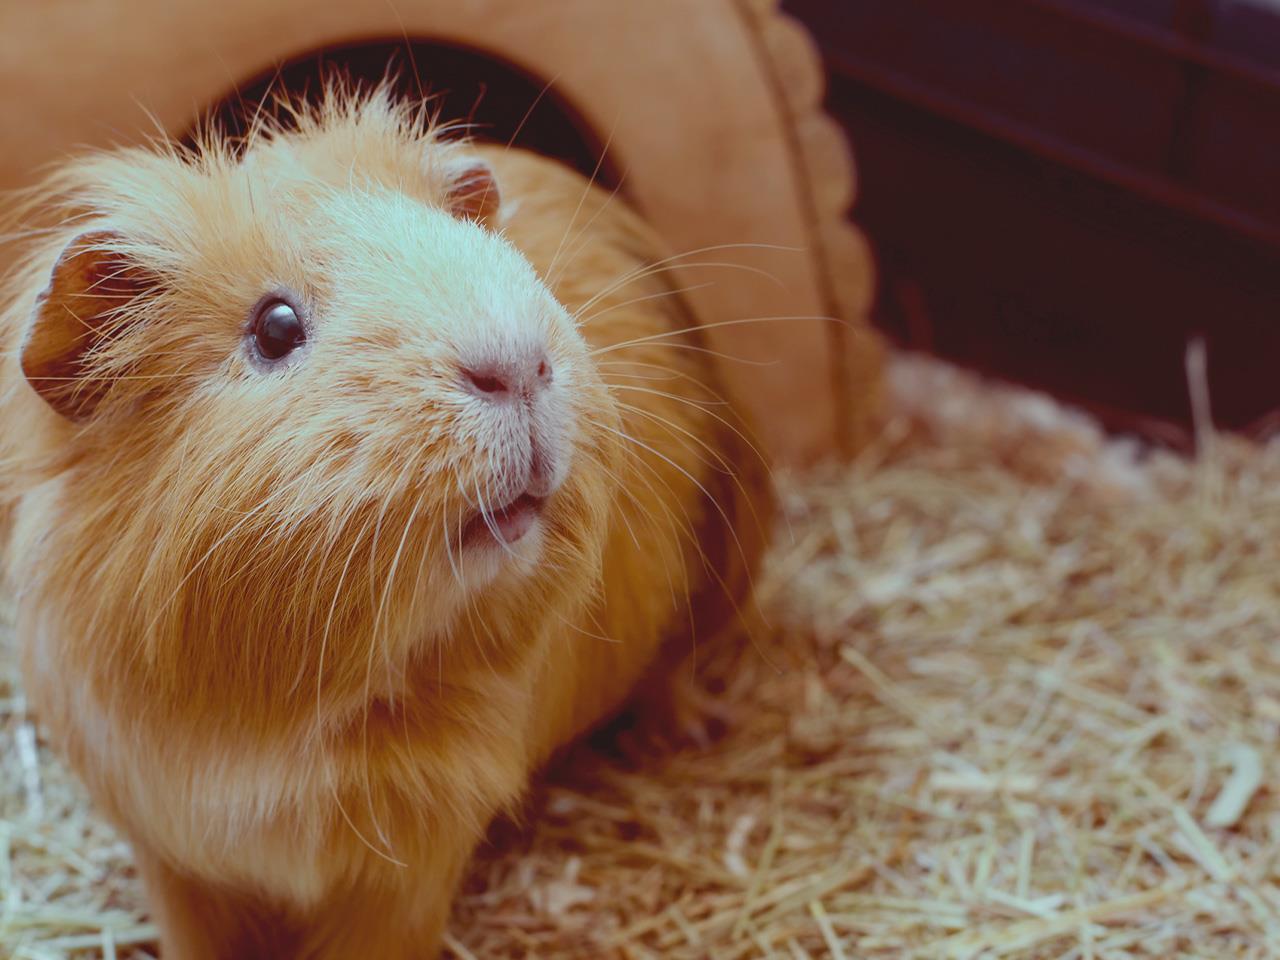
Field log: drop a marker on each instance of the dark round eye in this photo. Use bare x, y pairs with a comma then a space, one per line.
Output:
277, 330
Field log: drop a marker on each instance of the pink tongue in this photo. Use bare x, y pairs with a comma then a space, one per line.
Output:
514, 520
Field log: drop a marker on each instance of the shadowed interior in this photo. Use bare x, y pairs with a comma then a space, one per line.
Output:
497, 100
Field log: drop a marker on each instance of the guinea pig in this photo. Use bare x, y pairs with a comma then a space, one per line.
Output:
352, 470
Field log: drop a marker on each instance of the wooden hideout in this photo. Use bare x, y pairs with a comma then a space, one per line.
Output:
707, 113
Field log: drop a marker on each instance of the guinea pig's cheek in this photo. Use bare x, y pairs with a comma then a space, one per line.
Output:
564, 433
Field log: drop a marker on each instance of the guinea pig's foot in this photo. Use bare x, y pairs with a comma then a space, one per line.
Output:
690, 715
664, 718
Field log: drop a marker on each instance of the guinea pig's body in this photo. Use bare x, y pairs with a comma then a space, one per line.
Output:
342, 497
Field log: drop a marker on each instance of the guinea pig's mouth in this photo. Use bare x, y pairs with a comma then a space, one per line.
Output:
505, 524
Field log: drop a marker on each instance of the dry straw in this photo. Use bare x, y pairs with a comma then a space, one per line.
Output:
1022, 699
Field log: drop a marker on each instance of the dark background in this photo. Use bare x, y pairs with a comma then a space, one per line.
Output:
1064, 192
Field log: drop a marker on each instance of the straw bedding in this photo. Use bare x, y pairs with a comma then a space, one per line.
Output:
1020, 698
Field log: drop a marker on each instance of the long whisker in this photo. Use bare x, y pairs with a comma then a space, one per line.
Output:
714, 502
703, 408
266, 502
546, 88
328, 623
670, 374
368, 679
582, 239
712, 460
686, 529
721, 464
651, 270
742, 321
742, 433
679, 529
387, 587
650, 267
586, 633
619, 486
333, 787
448, 546
691, 347
662, 294
648, 514
586, 192
708, 567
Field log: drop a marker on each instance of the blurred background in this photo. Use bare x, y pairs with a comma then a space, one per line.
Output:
1064, 192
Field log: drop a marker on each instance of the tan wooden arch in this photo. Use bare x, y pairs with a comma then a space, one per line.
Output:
713, 108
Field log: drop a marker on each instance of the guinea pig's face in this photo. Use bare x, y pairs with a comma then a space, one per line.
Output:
424, 356
318, 399
415, 357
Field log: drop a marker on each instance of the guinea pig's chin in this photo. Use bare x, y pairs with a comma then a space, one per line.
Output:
485, 557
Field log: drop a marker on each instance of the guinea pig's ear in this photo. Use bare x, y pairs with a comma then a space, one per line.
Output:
84, 305
473, 192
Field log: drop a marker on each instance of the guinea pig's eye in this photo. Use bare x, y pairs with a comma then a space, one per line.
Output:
277, 330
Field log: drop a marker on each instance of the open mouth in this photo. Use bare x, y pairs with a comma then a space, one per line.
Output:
505, 524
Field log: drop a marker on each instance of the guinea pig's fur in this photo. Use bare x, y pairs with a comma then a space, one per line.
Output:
250, 617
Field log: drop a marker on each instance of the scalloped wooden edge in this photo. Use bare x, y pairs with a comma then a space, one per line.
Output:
842, 251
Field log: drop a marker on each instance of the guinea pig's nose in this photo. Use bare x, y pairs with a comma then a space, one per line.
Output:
502, 379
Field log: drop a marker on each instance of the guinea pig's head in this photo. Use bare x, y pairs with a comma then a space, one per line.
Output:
312, 403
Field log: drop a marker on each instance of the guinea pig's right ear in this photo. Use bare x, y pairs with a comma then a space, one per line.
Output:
473, 192
84, 305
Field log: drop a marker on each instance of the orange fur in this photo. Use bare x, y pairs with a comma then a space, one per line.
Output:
242, 616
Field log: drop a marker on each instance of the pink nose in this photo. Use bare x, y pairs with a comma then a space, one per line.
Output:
504, 379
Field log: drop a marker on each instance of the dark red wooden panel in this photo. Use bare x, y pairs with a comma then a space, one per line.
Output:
1064, 192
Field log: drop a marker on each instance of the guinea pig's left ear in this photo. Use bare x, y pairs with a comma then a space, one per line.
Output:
473, 192
92, 285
